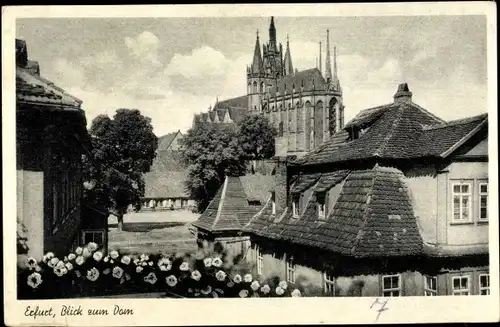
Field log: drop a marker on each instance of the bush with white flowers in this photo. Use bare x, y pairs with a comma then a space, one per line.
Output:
89, 272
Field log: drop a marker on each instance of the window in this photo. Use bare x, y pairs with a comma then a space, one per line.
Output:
460, 285
391, 285
461, 202
260, 261
484, 284
430, 286
320, 198
273, 203
290, 271
93, 236
483, 201
329, 284
296, 206
280, 129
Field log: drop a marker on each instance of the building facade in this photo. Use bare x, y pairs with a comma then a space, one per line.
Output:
51, 137
395, 204
305, 107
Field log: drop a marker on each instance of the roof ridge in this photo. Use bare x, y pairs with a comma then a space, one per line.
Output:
219, 208
427, 112
389, 135
365, 216
456, 122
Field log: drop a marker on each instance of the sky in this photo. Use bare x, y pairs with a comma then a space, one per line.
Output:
172, 68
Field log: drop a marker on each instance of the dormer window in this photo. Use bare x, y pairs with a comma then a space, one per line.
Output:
320, 200
296, 205
273, 203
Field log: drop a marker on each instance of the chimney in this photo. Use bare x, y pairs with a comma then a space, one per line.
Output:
403, 95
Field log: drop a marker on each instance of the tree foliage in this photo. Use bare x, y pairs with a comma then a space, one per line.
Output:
123, 149
214, 151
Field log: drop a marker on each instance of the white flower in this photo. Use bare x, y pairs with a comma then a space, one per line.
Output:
59, 271
150, 278
184, 266
69, 266
144, 257
79, 251
48, 256
117, 272
106, 258
243, 293
106, 271
38, 268
92, 274
97, 256
71, 256
52, 262
279, 291
207, 290
86, 253
144, 263
296, 293
164, 261
60, 264
34, 280
220, 275
248, 278
150, 263
136, 261
111, 261
92, 246
31, 263
207, 262
65, 259
114, 254
171, 280
217, 262
283, 284
127, 276
79, 260
139, 269
255, 285
165, 268
196, 275
125, 260
237, 278
265, 289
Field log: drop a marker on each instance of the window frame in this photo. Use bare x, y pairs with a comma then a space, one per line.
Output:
479, 197
481, 288
296, 205
259, 261
273, 203
461, 195
428, 291
93, 231
321, 197
393, 289
290, 270
329, 284
457, 292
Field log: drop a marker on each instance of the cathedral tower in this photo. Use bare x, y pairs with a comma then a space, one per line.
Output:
256, 80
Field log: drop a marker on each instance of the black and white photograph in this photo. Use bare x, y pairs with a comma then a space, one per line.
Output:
268, 154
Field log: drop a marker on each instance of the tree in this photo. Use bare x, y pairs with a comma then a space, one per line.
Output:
123, 149
256, 137
212, 152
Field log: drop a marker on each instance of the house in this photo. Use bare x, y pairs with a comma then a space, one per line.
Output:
51, 137
394, 204
236, 201
165, 182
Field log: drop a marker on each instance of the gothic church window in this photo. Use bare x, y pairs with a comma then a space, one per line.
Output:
254, 87
280, 132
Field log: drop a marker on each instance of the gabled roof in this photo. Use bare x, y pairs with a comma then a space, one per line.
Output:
31, 88
372, 217
230, 208
169, 184
168, 160
311, 79
165, 140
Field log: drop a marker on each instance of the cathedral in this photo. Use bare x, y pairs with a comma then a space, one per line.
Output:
305, 106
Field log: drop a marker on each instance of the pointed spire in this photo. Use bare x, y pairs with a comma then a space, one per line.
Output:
288, 58
335, 76
320, 65
257, 66
272, 36
328, 68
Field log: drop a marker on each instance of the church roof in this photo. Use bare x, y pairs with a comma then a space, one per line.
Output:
238, 102
165, 140
372, 217
310, 79
168, 160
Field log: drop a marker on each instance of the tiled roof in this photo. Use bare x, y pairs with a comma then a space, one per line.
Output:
169, 184
168, 160
32, 88
230, 208
360, 223
394, 131
165, 140
310, 79
237, 114
238, 102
